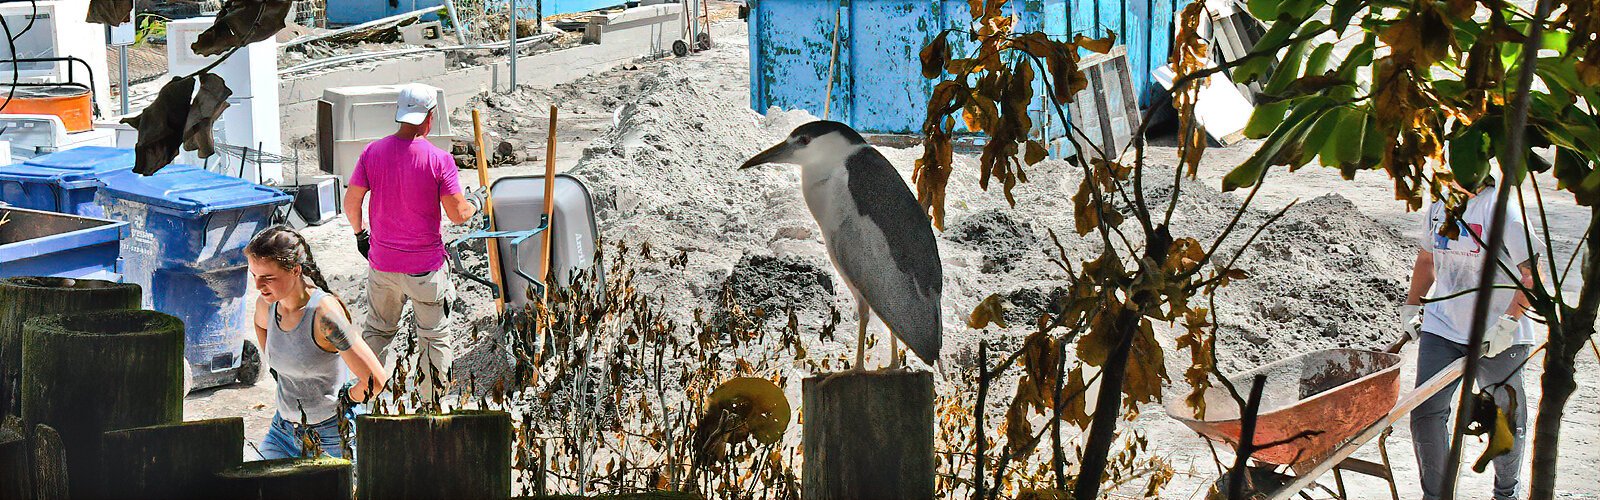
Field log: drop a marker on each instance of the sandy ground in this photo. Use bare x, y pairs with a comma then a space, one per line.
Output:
588, 111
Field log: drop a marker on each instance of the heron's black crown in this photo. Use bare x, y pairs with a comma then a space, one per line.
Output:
820, 128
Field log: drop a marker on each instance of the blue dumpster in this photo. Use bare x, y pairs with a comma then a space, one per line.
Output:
186, 245
62, 182
38, 243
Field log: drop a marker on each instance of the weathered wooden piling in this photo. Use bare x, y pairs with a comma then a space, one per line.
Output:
50, 477
172, 461
90, 373
24, 297
462, 455
324, 478
16, 475
868, 436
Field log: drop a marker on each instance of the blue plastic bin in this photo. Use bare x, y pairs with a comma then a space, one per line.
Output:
189, 228
38, 243
63, 182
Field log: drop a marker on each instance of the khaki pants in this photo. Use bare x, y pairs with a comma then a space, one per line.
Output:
430, 296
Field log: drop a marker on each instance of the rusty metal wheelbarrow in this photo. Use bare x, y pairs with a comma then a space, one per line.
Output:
1316, 410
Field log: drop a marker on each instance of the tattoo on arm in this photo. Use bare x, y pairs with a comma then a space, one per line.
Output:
338, 330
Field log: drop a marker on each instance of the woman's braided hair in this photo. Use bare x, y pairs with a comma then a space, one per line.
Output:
289, 250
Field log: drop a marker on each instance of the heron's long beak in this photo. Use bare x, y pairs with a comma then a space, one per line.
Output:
775, 154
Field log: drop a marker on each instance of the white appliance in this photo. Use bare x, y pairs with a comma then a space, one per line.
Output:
349, 118
251, 119
59, 30
38, 135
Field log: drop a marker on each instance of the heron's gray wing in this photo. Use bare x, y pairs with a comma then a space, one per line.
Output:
888, 252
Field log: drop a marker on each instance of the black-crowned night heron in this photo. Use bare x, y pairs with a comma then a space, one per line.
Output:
876, 234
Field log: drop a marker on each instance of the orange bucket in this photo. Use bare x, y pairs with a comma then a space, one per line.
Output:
70, 102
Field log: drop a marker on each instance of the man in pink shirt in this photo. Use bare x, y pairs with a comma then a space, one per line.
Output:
410, 180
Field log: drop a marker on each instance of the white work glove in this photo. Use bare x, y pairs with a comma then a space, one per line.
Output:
1411, 320
1501, 336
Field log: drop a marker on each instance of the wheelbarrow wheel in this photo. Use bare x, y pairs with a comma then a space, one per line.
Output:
680, 48
703, 41
249, 364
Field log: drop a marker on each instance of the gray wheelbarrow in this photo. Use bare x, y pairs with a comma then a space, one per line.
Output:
518, 219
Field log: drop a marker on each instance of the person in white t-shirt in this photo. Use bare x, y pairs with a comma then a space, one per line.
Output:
1451, 266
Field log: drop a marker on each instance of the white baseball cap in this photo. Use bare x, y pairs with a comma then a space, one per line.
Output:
415, 102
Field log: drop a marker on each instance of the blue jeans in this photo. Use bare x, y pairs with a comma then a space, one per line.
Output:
286, 439
1431, 423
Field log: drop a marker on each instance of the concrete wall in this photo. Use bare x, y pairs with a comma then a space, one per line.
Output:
625, 37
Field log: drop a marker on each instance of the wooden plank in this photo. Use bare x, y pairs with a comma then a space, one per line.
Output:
1407, 403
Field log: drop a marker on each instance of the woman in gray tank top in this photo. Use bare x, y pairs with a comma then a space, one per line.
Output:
305, 333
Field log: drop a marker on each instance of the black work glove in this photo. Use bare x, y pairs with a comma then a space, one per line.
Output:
364, 243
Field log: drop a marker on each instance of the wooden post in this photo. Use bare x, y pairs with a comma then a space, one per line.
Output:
490, 245
463, 455
50, 478
172, 460
16, 474
868, 436
288, 479
90, 373
549, 204
24, 297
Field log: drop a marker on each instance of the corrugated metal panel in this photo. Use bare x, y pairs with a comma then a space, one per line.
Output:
878, 83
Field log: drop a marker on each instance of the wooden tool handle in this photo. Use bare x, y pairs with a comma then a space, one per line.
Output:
549, 201
492, 245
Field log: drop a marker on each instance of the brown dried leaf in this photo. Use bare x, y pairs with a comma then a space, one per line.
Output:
1019, 432
1100, 45
1074, 395
209, 103
934, 56
240, 23
991, 311
110, 12
160, 126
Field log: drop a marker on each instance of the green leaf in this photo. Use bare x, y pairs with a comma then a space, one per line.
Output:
1318, 63
1318, 136
1289, 135
1289, 70
1277, 34
1373, 142
1469, 156
1266, 118
1343, 12
1265, 9
1575, 174
1254, 69
1345, 148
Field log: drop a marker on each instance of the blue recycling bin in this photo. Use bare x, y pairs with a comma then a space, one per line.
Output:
63, 182
188, 229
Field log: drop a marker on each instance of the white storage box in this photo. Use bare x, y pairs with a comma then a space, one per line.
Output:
350, 118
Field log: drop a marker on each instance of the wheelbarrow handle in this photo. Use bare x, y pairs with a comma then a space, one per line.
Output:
1394, 347
457, 268
518, 238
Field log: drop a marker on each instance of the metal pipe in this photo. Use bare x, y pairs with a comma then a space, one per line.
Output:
122, 63
513, 42
455, 21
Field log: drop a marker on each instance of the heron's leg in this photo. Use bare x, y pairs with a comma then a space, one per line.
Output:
863, 316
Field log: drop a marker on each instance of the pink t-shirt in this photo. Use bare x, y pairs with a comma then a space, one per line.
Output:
406, 178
